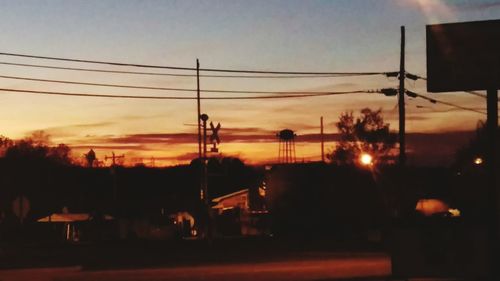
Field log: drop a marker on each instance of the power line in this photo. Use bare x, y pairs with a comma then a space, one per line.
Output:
476, 94
181, 75
444, 110
177, 97
95, 70
447, 103
392, 92
188, 68
415, 77
95, 62
152, 88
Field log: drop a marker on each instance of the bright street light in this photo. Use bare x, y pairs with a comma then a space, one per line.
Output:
478, 160
366, 159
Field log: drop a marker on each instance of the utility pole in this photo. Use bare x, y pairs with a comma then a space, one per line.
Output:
322, 142
204, 118
491, 164
113, 158
198, 115
401, 101
198, 118
204, 181
203, 157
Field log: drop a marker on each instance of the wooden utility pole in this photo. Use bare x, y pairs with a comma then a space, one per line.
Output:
493, 192
198, 118
401, 101
204, 118
198, 115
322, 142
204, 181
203, 157
113, 158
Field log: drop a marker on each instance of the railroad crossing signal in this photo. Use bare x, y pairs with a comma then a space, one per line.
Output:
214, 138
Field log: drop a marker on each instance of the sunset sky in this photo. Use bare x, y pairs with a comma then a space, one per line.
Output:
328, 36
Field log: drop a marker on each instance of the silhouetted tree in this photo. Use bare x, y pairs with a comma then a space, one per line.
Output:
60, 153
476, 148
5, 143
28, 150
40, 138
366, 133
90, 157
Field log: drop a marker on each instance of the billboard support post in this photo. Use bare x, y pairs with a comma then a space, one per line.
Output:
401, 102
491, 127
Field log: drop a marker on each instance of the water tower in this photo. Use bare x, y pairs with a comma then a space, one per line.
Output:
286, 151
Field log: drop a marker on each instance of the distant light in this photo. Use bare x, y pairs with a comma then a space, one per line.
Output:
429, 207
478, 161
454, 212
366, 159
262, 191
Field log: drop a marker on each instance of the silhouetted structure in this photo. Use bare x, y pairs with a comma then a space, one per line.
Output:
286, 150
90, 157
114, 158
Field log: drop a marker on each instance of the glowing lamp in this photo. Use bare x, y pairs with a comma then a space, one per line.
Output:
366, 159
478, 161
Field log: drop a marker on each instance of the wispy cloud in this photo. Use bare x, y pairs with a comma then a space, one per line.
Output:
227, 135
175, 148
433, 10
109, 147
73, 129
472, 5
185, 157
436, 10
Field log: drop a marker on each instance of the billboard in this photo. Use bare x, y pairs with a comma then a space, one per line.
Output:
463, 56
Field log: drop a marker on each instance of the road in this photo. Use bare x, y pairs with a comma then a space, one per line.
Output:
311, 267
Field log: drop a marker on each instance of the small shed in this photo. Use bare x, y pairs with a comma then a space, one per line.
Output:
72, 223
235, 217
238, 199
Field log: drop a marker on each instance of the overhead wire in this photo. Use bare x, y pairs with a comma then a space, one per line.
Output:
187, 68
433, 100
152, 88
283, 94
40, 92
469, 92
177, 74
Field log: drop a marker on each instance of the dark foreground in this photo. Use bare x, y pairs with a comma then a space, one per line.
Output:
313, 266
229, 259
